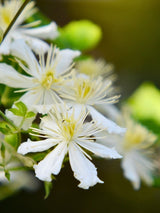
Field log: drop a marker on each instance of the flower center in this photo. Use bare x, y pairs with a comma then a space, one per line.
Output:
68, 128
84, 90
134, 137
48, 79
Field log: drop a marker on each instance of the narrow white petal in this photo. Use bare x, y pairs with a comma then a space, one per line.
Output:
100, 150
32, 98
5, 45
65, 59
83, 169
37, 45
12, 78
130, 172
109, 110
110, 126
21, 50
52, 163
45, 32
109, 140
36, 146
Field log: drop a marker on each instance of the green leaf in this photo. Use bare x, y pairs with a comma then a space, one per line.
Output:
81, 35
48, 187
39, 16
16, 112
12, 140
3, 151
22, 107
30, 114
5, 129
7, 175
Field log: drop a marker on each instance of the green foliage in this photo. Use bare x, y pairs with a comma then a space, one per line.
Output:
12, 139
5, 128
81, 35
44, 20
7, 175
156, 181
38, 156
48, 187
21, 110
145, 106
3, 151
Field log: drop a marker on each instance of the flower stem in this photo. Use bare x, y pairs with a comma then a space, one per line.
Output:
15, 18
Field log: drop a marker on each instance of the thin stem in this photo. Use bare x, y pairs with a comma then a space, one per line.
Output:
15, 18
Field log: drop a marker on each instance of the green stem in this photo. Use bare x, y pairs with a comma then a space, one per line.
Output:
4, 97
15, 18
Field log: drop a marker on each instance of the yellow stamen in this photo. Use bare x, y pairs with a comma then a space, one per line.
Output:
83, 89
48, 79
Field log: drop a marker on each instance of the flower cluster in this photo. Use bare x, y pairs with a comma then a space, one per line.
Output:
72, 99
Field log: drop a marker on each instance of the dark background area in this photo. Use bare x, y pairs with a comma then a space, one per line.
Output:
131, 41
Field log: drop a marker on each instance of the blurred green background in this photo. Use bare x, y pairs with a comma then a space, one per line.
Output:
131, 41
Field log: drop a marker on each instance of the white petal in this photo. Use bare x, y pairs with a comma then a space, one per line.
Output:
43, 109
21, 50
32, 98
5, 46
100, 150
37, 45
52, 163
36, 146
83, 169
109, 110
45, 32
110, 126
130, 172
12, 78
65, 59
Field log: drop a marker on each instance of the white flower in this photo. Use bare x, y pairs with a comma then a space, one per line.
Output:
88, 93
135, 147
66, 131
45, 78
94, 68
32, 36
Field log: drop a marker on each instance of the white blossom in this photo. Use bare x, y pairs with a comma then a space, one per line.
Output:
32, 36
136, 148
45, 78
88, 92
66, 132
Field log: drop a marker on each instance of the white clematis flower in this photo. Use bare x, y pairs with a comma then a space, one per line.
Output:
32, 36
135, 147
94, 68
45, 78
87, 92
66, 131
